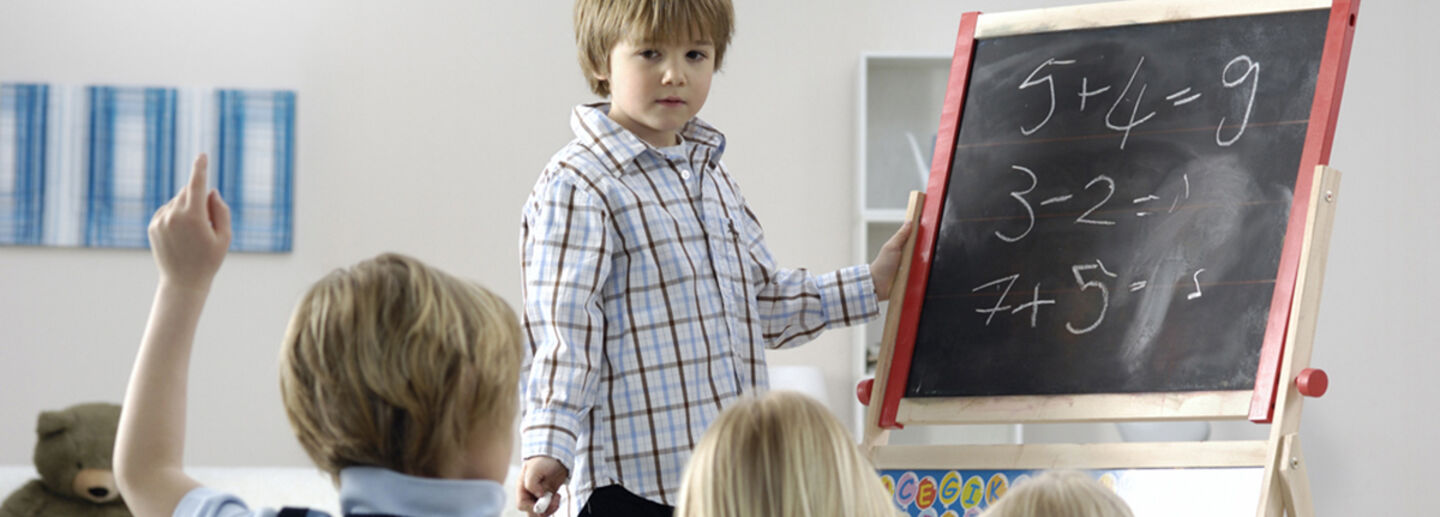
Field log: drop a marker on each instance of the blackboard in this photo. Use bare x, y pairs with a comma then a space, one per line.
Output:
1116, 208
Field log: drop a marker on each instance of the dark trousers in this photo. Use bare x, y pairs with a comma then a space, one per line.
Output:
614, 500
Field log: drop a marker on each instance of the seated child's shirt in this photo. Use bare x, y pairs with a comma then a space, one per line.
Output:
650, 297
371, 490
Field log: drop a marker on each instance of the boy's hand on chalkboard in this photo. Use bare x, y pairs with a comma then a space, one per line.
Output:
887, 263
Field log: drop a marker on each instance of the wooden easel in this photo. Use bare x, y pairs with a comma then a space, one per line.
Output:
1286, 487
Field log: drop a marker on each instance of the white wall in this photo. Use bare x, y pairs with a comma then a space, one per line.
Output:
423, 125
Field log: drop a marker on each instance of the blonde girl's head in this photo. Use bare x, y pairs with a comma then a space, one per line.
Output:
1069, 493
780, 454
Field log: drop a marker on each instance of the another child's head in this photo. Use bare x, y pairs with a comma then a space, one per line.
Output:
601, 24
1060, 493
776, 455
392, 363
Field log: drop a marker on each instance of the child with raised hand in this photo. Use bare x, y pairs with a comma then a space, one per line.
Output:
779, 455
1060, 492
650, 293
400, 381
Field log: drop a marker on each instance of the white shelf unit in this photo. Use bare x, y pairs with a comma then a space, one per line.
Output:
900, 97
900, 100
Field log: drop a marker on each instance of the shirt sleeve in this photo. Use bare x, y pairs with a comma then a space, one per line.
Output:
796, 305
208, 502
565, 258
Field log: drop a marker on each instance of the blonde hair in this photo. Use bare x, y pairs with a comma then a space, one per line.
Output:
395, 364
782, 454
1068, 493
600, 24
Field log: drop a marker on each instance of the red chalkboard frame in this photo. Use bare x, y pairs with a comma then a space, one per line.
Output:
1320, 133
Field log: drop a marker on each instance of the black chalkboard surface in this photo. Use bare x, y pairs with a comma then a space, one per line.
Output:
1117, 207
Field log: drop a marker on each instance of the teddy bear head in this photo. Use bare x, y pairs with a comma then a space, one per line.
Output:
74, 452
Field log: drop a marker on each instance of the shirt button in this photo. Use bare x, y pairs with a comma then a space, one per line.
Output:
685, 173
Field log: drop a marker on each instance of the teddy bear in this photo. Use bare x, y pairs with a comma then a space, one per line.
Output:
73, 459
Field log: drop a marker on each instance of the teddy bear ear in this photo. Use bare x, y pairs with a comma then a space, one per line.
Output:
53, 423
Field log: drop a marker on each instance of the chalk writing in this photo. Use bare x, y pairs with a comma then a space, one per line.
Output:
1034, 306
1251, 69
1019, 195
1084, 218
1009, 282
1248, 70
1049, 82
1135, 109
1196, 294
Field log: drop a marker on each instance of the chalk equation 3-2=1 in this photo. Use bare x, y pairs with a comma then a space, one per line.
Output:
1088, 217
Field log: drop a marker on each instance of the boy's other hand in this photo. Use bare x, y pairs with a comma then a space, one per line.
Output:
190, 233
538, 476
887, 263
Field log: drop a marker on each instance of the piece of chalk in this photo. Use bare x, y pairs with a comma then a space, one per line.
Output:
544, 503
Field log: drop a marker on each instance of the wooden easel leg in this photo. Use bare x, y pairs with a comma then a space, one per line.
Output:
1296, 483
1286, 486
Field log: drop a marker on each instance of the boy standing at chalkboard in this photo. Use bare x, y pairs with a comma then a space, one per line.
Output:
650, 295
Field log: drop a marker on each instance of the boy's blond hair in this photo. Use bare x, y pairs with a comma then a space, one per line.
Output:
1059, 492
600, 24
780, 454
394, 364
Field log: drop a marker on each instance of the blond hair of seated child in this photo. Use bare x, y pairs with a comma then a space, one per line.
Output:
1060, 492
393, 363
780, 454
400, 381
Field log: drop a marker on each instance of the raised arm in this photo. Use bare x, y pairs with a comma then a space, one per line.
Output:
188, 237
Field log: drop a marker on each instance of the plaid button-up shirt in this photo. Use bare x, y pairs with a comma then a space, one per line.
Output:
649, 299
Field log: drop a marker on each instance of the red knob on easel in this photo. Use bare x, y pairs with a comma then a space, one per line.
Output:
862, 390
1312, 382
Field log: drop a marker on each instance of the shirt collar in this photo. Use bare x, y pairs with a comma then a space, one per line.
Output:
593, 126
378, 490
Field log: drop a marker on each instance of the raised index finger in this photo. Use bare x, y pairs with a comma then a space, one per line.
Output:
198, 178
